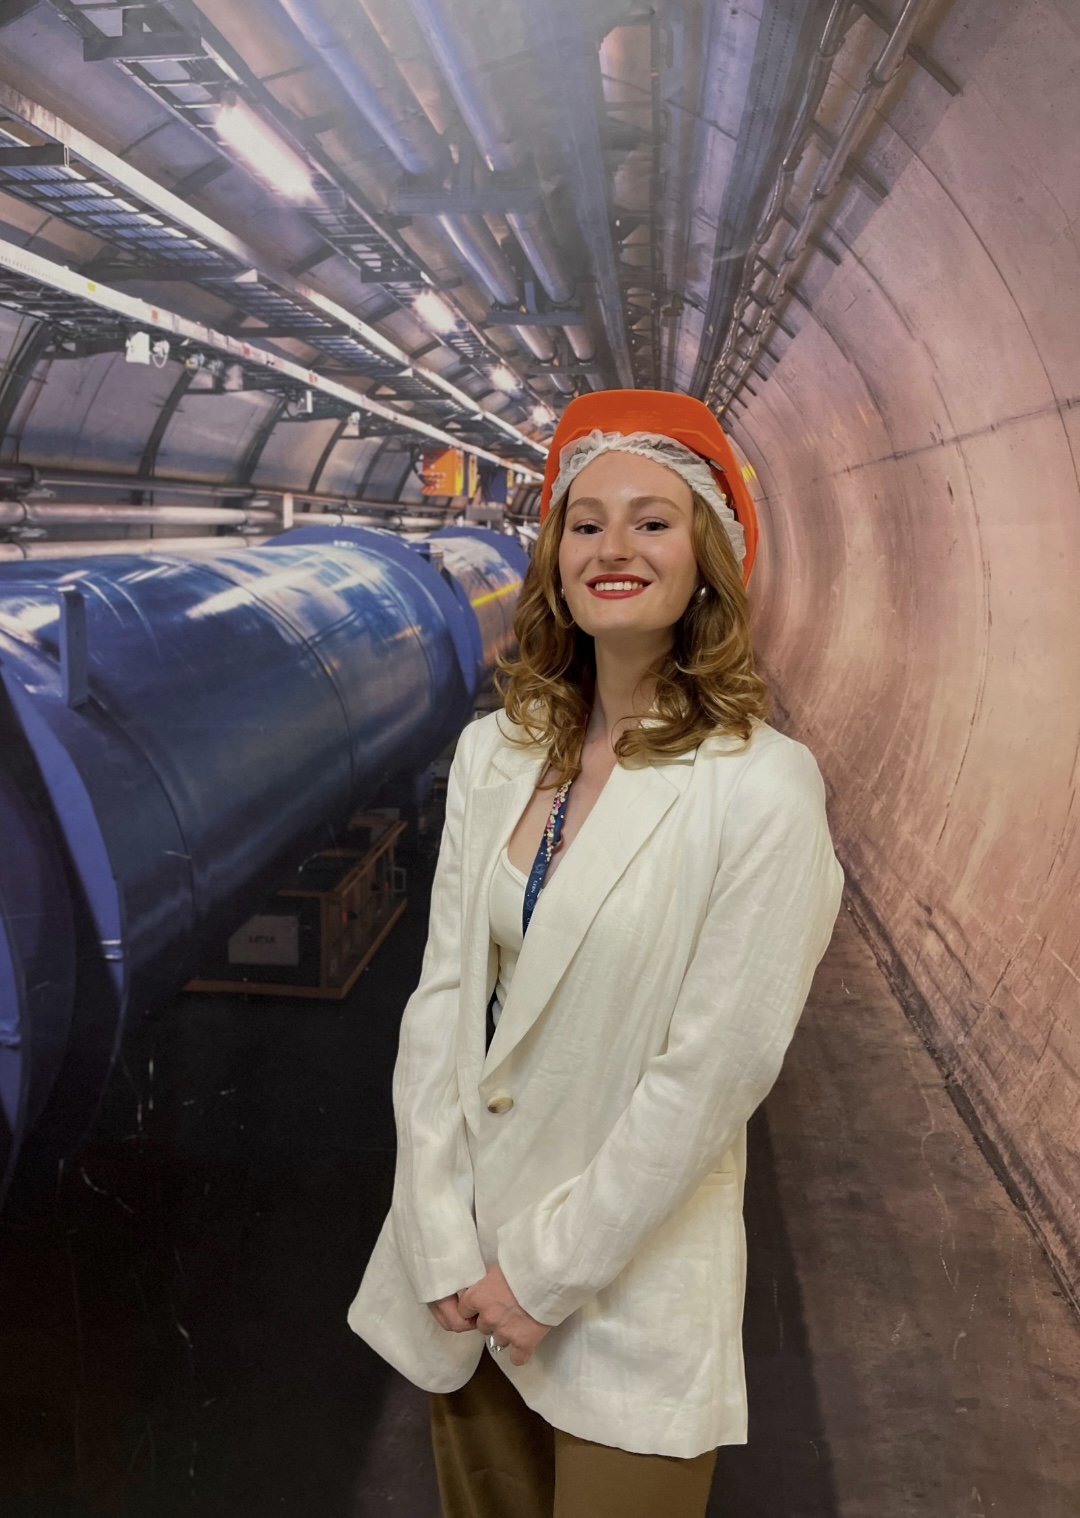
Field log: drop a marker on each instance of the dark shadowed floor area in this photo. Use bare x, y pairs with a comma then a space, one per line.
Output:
172, 1310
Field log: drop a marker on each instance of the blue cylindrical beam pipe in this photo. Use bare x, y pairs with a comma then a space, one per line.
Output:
221, 719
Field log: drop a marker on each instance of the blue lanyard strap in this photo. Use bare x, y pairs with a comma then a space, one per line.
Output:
548, 844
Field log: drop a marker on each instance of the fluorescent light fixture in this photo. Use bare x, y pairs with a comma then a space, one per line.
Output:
434, 312
248, 135
543, 416
504, 379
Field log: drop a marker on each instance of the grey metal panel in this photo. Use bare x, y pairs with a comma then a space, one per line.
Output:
210, 432
347, 465
291, 454
388, 474
94, 412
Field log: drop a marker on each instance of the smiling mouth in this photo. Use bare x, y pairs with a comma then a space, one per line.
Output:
615, 588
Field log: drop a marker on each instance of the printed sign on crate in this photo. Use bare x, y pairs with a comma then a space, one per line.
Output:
266, 941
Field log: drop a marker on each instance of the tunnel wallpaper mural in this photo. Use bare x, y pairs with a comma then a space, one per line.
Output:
430, 431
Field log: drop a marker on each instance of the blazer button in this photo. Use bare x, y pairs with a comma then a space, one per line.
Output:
500, 1104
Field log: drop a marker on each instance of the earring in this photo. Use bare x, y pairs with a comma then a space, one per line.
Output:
700, 595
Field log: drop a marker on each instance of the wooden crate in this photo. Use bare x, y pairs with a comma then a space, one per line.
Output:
344, 901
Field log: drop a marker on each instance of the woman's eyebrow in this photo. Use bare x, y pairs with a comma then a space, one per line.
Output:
638, 500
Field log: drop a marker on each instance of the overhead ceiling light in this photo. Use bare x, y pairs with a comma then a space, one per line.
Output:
244, 130
504, 379
434, 312
543, 416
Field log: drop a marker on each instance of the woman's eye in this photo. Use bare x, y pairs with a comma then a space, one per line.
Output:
592, 527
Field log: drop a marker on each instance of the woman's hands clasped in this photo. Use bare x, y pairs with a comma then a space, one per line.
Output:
490, 1307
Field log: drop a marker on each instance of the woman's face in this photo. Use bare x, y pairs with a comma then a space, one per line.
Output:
628, 518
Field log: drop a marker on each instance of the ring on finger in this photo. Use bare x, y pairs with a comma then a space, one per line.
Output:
495, 1348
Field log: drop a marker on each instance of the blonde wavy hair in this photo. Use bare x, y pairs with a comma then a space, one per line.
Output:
706, 684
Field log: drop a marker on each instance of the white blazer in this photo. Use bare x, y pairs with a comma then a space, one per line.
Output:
598, 1149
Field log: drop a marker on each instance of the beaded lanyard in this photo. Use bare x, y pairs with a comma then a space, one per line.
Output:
548, 844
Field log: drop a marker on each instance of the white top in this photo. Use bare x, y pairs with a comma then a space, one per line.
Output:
505, 905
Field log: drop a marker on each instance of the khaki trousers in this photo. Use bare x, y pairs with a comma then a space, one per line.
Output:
496, 1458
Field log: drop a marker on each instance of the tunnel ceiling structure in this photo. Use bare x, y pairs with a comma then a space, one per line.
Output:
345, 231
447, 216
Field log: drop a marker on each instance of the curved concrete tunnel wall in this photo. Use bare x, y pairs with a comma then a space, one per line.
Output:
916, 602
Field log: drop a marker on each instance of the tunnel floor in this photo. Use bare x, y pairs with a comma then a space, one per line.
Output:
172, 1311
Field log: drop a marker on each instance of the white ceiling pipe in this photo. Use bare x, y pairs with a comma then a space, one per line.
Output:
350, 47
501, 150
410, 523
344, 519
582, 343
27, 476
78, 514
125, 546
31, 475
476, 247
421, 525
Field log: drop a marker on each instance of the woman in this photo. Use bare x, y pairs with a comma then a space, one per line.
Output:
636, 879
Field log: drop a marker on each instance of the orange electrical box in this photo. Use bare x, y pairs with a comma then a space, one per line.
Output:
443, 471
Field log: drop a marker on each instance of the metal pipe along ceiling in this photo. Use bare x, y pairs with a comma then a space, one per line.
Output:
735, 364
463, 74
15, 553
177, 733
31, 476
78, 514
349, 46
558, 29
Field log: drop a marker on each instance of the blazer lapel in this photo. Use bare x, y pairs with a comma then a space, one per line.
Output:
624, 816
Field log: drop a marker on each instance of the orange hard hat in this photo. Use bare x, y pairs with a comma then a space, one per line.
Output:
681, 417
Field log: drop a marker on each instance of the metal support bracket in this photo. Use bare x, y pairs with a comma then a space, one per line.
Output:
554, 316
535, 311
916, 53
71, 635
496, 194
488, 200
